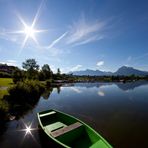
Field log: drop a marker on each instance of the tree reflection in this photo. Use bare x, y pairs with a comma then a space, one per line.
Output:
3, 121
19, 107
18, 103
58, 89
47, 93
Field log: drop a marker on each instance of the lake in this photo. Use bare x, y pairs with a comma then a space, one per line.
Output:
119, 112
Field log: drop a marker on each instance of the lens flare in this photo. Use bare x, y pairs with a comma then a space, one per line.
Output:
28, 130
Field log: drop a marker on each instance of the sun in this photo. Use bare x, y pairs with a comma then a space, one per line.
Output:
29, 31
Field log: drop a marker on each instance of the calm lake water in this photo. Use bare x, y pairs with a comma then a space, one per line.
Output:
119, 112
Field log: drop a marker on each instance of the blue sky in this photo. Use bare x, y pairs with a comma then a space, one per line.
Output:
75, 34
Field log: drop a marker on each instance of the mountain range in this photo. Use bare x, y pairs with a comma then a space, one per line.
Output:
124, 70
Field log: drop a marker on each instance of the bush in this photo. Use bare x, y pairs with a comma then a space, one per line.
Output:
48, 82
5, 75
4, 105
26, 91
17, 75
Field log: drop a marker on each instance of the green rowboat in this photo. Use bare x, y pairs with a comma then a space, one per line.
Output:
69, 131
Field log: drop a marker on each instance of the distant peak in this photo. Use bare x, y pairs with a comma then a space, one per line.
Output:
124, 70
126, 67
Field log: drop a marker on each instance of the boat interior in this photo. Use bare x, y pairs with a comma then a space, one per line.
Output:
68, 130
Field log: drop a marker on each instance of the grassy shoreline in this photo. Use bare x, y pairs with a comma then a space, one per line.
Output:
4, 84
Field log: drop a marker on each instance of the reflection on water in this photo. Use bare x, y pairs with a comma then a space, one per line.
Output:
76, 90
101, 93
117, 111
47, 93
131, 86
122, 86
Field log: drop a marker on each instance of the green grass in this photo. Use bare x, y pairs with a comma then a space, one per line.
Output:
4, 82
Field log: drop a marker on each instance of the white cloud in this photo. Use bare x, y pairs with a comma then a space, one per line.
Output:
76, 90
10, 62
5, 35
77, 67
54, 52
100, 63
57, 40
90, 39
53, 68
83, 32
129, 59
101, 93
135, 61
141, 56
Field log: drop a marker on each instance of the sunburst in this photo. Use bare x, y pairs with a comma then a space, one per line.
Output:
28, 131
29, 30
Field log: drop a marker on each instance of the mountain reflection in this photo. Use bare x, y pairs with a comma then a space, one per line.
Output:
131, 85
123, 86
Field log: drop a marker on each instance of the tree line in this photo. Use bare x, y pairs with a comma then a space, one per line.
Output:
31, 71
